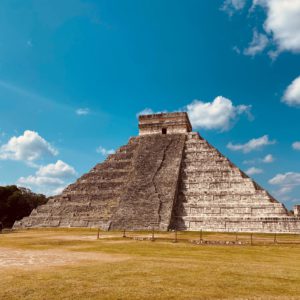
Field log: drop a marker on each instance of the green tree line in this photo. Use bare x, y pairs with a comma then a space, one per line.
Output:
16, 203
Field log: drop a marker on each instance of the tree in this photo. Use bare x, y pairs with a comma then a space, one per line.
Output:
16, 203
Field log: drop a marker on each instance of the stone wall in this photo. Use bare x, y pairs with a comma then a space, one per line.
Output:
214, 195
170, 122
147, 201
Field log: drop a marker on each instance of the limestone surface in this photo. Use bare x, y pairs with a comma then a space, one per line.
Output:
166, 178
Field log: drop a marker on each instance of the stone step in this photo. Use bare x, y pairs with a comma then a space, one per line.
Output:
121, 156
212, 179
256, 204
115, 173
90, 186
231, 211
238, 224
228, 186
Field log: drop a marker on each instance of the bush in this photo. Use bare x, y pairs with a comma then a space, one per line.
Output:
16, 203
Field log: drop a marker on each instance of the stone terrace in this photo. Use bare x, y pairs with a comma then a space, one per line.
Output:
166, 178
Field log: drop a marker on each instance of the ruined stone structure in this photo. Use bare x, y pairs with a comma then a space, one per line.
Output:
166, 178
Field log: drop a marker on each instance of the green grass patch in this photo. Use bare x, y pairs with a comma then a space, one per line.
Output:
150, 270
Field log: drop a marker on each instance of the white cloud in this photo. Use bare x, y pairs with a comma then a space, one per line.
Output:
149, 111
286, 182
286, 178
291, 95
296, 145
146, 111
253, 144
59, 169
268, 159
58, 191
236, 49
218, 114
28, 147
250, 162
49, 179
39, 180
282, 25
230, 6
284, 190
283, 22
253, 171
258, 44
104, 151
83, 111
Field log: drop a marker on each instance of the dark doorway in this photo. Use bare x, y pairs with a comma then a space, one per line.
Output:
164, 131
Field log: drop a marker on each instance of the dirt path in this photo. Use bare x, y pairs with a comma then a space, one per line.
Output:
43, 258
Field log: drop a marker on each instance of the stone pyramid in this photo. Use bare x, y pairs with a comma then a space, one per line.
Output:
168, 177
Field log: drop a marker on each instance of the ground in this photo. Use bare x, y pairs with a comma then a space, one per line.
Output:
74, 264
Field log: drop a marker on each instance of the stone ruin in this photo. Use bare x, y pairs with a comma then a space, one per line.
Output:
166, 178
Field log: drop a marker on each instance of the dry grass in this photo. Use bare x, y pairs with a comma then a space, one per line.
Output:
143, 269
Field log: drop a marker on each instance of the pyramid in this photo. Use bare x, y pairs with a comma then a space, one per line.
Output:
166, 178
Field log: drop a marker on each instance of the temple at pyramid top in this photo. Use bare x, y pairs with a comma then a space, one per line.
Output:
164, 123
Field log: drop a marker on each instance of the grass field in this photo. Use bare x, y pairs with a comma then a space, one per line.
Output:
73, 264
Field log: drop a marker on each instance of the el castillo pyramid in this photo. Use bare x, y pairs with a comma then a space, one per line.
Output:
166, 178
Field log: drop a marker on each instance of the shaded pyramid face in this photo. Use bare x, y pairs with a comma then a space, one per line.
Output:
166, 178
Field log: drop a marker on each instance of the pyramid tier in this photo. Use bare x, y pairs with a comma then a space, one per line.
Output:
165, 181
215, 195
92, 199
150, 195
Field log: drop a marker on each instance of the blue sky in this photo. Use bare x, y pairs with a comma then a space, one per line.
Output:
74, 74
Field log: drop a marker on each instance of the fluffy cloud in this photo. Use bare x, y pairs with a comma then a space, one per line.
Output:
282, 24
218, 114
49, 179
286, 178
28, 147
253, 144
104, 151
149, 111
269, 158
59, 169
39, 181
258, 44
58, 190
286, 182
292, 94
253, 171
83, 111
296, 146
146, 111
230, 6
